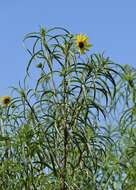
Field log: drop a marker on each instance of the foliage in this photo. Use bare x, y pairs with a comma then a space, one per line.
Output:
71, 124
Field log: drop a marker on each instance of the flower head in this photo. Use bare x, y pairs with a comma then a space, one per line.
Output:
5, 100
82, 43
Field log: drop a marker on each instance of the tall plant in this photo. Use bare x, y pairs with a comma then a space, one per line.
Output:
60, 130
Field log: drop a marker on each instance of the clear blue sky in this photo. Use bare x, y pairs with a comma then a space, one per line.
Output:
110, 24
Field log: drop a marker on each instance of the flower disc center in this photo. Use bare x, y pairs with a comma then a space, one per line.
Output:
6, 101
81, 45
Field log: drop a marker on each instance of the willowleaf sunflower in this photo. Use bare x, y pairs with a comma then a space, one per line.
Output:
82, 43
5, 100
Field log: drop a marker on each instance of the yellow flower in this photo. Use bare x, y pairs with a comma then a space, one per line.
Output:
5, 100
82, 43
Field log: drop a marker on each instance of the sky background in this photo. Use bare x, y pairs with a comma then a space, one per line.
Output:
110, 24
